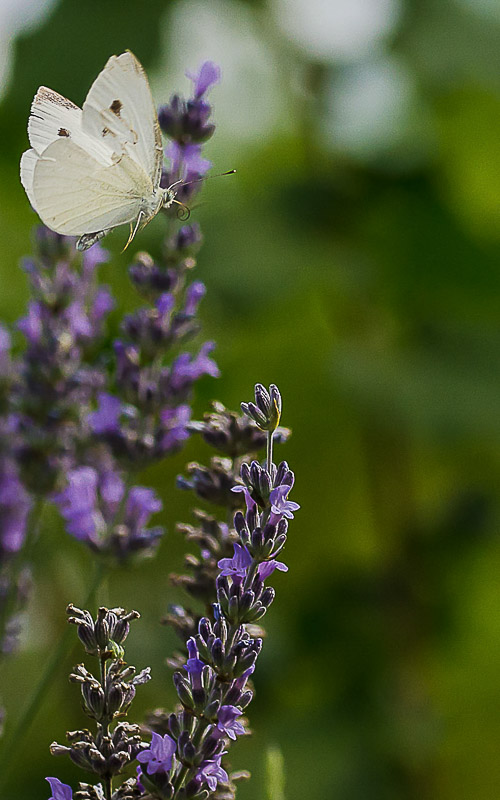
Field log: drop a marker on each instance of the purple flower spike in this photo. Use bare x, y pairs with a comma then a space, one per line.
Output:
208, 75
78, 321
174, 422
238, 564
227, 721
141, 503
107, 417
194, 294
212, 773
60, 791
15, 505
102, 305
94, 256
78, 501
267, 568
31, 325
159, 756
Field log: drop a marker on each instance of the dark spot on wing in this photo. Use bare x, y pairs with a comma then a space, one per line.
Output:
105, 131
63, 132
116, 107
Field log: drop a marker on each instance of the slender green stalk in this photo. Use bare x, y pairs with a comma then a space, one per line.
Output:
108, 790
275, 774
269, 453
22, 557
13, 741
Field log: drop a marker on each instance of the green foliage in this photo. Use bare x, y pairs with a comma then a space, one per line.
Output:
275, 773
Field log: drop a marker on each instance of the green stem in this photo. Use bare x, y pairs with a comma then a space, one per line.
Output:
13, 741
21, 558
269, 452
105, 726
179, 780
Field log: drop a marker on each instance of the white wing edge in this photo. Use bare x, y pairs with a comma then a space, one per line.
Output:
28, 164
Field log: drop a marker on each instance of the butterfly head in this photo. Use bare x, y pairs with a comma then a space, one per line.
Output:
169, 199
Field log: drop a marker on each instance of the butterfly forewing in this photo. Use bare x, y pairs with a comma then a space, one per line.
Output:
119, 108
75, 194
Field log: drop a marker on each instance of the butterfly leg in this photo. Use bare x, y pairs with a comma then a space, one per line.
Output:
134, 230
88, 239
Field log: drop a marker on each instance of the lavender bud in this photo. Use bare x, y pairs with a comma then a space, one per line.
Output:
266, 411
257, 541
245, 699
268, 596
205, 628
211, 709
233, 609
217, 653
173, 726
246, 601
183, 690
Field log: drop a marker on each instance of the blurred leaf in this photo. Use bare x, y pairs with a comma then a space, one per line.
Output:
275, 774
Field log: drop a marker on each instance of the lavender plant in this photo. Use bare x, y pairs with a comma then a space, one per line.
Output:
236, 438
223, 645
185, 756
81, 422
106, 699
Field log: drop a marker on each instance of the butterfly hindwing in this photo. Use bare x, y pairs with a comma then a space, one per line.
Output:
54, 117
75, 194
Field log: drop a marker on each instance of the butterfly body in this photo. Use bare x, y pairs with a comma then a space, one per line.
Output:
92, 169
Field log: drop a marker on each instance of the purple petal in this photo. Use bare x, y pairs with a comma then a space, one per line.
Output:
60, 791
208, 74
267, 568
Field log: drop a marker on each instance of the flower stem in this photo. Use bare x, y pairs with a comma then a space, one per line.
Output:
21, 558
269, 452
105, 727
13, 741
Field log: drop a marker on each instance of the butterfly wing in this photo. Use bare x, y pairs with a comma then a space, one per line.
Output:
119, 110
53, 117
75, 194
28, 161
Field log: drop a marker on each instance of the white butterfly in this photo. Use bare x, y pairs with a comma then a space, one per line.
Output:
94, 168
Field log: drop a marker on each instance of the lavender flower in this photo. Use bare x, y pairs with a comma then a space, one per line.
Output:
57, 376
146, 416
212, 773
186, 123
227, 722
60, 791
238, 565
106, 700
158, 758
99, 510
280, 506
213, 686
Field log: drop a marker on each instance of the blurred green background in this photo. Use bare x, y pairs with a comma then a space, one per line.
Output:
353, 260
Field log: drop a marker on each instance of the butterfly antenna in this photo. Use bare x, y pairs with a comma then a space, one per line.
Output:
204, 178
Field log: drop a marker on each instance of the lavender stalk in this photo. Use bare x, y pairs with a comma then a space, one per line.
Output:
106, 700
84, 430
222, 654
